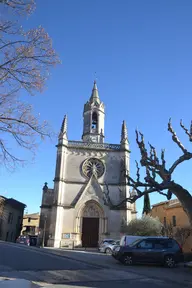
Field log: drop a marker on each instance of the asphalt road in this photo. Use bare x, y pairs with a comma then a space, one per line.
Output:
77, 269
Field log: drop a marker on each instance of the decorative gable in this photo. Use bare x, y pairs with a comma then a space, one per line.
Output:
91, 190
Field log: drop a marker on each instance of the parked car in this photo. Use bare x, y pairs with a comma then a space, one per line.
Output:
107, 247
27, 240
105, 241
161, 250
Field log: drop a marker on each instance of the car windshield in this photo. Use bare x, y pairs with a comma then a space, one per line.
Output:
22, 238
108, 242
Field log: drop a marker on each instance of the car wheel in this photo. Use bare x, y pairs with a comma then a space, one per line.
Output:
108, 251
127, 259
169, 261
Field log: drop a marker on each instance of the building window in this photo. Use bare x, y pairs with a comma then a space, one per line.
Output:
10, 218
165, 222
94, 121
174, 221
29, 220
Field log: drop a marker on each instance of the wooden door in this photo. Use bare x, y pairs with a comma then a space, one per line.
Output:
90, 232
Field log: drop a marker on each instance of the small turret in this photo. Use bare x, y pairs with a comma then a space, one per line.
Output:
45, 187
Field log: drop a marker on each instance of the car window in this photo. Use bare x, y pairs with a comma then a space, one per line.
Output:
170, 243
146, 244
134, 243
160, 244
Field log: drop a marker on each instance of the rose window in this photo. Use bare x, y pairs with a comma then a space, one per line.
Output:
93, 166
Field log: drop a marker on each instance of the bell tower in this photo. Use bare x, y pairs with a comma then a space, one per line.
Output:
93, 118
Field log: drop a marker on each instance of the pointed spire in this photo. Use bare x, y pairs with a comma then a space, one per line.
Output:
64, 125
95, 95
63, 132
124, 134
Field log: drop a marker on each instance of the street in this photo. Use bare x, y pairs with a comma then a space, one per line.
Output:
83, 269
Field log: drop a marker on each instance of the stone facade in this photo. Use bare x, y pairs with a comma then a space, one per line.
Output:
89, 183
11, 212
30, 224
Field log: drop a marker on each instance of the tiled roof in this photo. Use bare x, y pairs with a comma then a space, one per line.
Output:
169, 204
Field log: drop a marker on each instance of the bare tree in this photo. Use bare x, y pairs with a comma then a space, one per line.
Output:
158, 177
25, 60
168, 230
182, 234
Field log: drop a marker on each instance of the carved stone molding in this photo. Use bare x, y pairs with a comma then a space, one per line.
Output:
91, 211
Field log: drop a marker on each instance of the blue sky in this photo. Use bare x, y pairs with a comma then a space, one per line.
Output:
142, 54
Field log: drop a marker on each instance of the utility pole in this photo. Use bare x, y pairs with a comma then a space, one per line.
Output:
44, 230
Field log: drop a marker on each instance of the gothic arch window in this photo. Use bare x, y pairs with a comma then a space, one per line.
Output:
94, 124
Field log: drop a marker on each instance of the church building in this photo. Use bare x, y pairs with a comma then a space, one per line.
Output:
83, 207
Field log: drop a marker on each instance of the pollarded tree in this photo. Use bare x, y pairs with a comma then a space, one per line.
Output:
25, 60
158, 176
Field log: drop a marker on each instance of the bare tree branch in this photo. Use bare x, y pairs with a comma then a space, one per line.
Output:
175, 138
188, 132
138, 169
25, 61
20, 6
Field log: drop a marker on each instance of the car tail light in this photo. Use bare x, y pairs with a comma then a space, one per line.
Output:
180, 246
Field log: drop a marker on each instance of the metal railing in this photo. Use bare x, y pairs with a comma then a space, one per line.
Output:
105, 146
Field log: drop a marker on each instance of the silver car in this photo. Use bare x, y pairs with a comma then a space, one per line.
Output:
108, 245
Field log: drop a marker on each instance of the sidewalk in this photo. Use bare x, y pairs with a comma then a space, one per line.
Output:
17, 283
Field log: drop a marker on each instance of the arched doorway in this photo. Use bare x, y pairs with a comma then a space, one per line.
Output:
91, 216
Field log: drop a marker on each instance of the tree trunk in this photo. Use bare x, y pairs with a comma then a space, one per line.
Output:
185, 198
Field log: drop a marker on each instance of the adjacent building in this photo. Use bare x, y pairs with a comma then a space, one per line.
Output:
172, 215
11, 217
81, 208
30, 224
